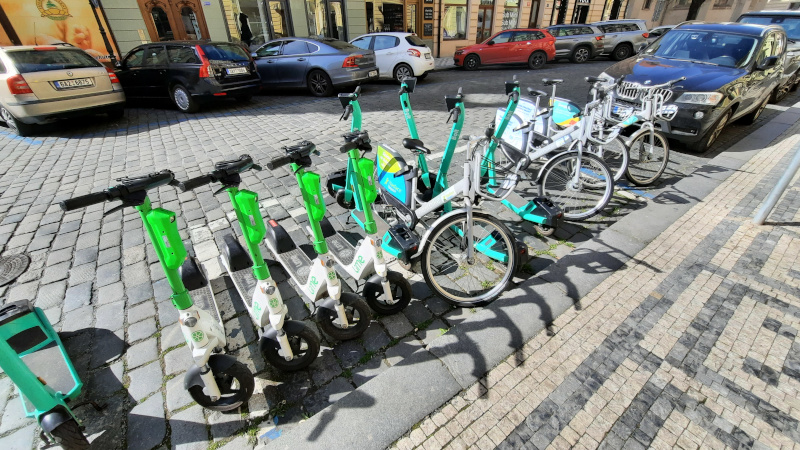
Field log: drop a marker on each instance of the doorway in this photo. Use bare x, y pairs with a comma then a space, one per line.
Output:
581, 12
280, 20
326, 18
562, 11
534, 20
485, 18
169, 20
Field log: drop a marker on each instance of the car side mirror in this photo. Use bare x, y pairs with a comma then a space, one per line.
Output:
490, 43
767, 63
254, 55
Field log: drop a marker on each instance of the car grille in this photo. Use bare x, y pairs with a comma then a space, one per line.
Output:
631, 92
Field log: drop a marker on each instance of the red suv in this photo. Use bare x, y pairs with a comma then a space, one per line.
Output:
530, 45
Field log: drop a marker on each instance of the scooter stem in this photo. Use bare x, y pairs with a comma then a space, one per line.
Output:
245, 204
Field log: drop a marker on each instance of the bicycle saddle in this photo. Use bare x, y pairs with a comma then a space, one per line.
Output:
415, 145
551, 81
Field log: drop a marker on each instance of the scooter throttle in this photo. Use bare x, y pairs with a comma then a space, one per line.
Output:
84, 201
357, 91
195, 183
346, 114
279, 161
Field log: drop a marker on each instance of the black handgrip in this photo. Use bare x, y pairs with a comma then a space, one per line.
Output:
346, 114
279, 161
595, 79
195, 183
460, 92
358, 90
515, 96
84, 200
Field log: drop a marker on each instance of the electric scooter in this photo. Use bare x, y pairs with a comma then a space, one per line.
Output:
215, 381
32, 355
341, 315
385, 291
337, 181
288, 345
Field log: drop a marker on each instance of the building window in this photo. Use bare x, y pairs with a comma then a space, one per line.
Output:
647, 4
385, 15
454, 19
511, 14
683, 3
723, 3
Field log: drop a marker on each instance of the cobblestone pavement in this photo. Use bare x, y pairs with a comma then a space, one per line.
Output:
692, 344
102, 288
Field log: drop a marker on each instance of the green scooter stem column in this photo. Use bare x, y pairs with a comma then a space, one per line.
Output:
408, 113
28, 383
447, 157
361, 184
489, 155
160, 225
315, 205
245, 204
355, 122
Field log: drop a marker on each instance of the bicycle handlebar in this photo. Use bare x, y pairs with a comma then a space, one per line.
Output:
126, 188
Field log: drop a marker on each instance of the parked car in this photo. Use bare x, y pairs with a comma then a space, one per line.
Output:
524, 45
623, 38
579, 43
189, 73
41, 84
790, 22
657, 32
398, 55
731, 71
317, 64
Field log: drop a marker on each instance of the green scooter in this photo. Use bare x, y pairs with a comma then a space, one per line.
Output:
32, 355
287, 344
215, 381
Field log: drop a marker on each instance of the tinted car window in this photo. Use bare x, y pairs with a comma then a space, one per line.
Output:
271, 49
28, 61
384, 42
585, 30
415, 41
294, 48
2, 67
520, 36
155, 56
363, 42
790, 24
182, 55
312, 48
339, 45
607, 28
729, 50
135, 58
502, 38
225, 52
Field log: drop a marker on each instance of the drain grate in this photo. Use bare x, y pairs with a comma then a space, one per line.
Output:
12, 267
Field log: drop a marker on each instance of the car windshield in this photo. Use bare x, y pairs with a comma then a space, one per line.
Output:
28, 61
225, 52
709, 47
790, 24
415, 41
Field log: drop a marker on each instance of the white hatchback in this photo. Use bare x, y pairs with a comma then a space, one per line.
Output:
398, 55
40, 84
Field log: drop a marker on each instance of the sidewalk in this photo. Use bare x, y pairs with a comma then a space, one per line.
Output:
692, 343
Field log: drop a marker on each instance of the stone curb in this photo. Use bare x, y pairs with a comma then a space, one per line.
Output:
386, 407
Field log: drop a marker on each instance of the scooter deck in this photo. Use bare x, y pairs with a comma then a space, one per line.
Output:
48, 364
298, 263
203, 298
243, 280
342, 248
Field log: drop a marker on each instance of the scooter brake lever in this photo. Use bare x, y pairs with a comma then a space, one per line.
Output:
114, 209
220, 190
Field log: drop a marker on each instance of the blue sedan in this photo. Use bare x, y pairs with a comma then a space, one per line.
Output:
321, 65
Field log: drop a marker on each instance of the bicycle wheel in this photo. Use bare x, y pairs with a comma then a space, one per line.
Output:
455, 278
647, 160
579, 198
614, 154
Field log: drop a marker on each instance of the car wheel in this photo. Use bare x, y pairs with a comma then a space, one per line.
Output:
537, 60
319, 84
472, 62
622, 51
580, 55
751, 118
21, 129
402, 71
780, 93
183, 99
712, 134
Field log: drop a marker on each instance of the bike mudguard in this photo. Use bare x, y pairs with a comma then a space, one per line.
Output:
390, 165
167, 240
270, 335
217, 363
50, 420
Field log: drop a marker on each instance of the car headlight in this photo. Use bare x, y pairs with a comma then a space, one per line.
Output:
700, 98
459, 52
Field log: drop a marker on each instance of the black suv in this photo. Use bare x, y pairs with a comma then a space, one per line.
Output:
189, 72
790, 22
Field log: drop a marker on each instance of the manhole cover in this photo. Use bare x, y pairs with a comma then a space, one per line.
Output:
12, 266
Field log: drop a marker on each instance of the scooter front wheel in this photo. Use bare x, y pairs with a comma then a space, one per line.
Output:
358, 318
305, 348
401, 293
69, 436
236, 384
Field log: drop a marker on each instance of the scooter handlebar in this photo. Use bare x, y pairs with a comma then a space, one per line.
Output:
279, 161
195, 183
84, 200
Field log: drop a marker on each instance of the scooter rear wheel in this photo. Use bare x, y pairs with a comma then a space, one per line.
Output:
69, 436
401, 293
341, 200
232, 397
358, 318
303, 355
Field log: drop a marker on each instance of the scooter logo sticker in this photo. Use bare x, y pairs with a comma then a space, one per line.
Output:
273, 302
313, 285
359, 264
331, 275
198, 336
256, 308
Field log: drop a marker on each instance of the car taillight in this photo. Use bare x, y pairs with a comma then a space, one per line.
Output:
413, 52
17, 85
598, 38
112, 75
205, 69
645, 35
350, 61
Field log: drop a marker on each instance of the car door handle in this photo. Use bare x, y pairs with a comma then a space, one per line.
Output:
270, 61
301, 59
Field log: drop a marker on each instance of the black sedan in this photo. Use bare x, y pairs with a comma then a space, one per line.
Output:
731, 72
317, 64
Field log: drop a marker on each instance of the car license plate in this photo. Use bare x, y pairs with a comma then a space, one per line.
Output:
80, 82
373, 73
237, 71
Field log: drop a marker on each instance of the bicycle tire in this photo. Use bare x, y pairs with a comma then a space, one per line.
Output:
615, 155
493, 276
646, 166
595, 192
70, 436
